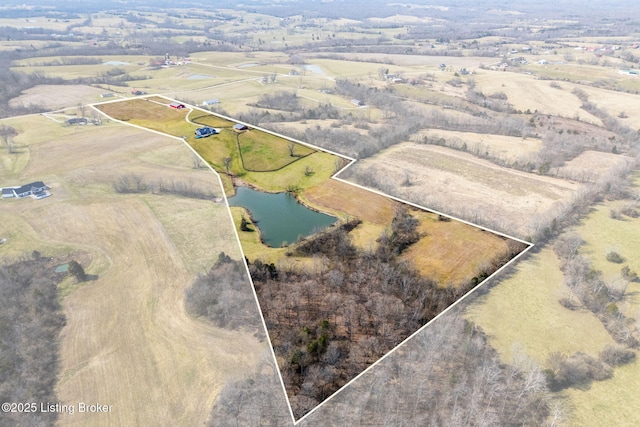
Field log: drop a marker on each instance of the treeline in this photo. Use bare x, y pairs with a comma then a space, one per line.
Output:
329, 324
30, 321
136, 184
223, 296
281, 100
592, 292
353, 143
448, 374
265, 116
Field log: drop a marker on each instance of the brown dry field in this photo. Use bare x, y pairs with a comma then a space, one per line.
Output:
526, 92
128, 341
616, 103
452, 252
592, 165
509, 148
55, 97
460, 183
346, 200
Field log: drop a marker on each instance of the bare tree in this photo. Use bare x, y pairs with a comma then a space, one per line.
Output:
7, 133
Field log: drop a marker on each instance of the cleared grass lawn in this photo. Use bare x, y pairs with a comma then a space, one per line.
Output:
20, 236
207, 119
452, 252
523, 312
216, 148
127, 331
263, 151
510, 148
295, 175
151, 113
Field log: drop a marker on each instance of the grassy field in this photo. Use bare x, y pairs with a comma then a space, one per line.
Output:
346, 201
593, 165
601, 403
262, 152
456, 181
603, 234
452, 252
537, 324
607, 402
127, 331
616, 103
509, 148
527, 93
55, 97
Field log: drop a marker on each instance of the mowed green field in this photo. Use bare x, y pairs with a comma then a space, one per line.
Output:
263, 150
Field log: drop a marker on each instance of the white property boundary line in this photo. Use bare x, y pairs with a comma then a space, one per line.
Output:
334, 176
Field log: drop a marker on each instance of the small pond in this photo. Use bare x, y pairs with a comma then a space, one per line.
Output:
313, 68
279, 216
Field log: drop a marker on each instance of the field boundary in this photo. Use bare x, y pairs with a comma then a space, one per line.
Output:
335, 176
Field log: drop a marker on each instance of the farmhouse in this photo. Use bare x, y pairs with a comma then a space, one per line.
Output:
357, 102
177, 105
210, 102
240, 127
34, 189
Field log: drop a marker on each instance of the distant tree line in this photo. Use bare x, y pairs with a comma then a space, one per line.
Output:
30, 322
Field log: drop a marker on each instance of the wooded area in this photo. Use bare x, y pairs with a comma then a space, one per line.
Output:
329, 324
30, 321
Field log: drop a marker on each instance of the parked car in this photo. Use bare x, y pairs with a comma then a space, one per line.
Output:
206, 131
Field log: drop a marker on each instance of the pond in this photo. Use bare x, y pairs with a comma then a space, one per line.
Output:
279, 216
313, 68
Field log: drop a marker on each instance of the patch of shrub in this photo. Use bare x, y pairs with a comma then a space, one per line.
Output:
628, 274
577, 370
613, 256
617, 356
